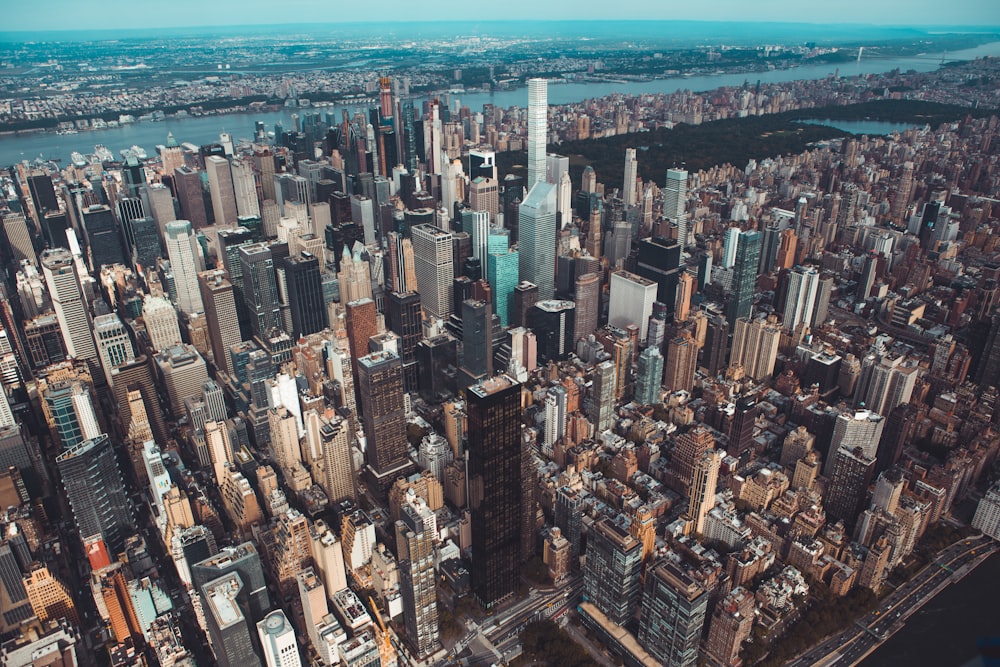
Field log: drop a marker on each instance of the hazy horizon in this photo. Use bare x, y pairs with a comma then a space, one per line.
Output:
117, 15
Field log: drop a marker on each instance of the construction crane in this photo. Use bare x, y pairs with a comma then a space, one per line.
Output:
381, 624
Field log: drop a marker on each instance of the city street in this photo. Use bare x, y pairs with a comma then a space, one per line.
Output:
852, 645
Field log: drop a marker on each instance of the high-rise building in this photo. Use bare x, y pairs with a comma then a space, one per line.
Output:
611, 576
854, 428
50, 598
477, 342
659, 260
96, 491
244, 560
15, 227
404, 317
304, 291
675, 202
553, 323
740, 301
673, 615
184, 374
71, 310
432, 255
601, 398
538, 110
688, 448
586, 295
495, 488
886, 381
185, 262
484, 198
987, 517
630, 189
221, 189
219, 302
380, 383
701, 499
277, 641
104, 237
338, 462
681, 362
160, 318
245, 189
730, 626
502, 267
260, 288
852, 473
524, 299
415, 544
803, 283
187, 187
113, 343
631, 301
537, 237
650, 372
226, 618
755, 347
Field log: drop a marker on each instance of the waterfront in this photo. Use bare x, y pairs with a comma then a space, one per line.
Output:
944, 632
871, 127
203, 129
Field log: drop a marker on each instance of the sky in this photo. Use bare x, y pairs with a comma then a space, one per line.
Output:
126, 14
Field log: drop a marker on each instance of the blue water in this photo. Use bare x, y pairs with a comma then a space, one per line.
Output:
200, 130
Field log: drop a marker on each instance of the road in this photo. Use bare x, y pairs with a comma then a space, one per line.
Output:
497, 634
852, 645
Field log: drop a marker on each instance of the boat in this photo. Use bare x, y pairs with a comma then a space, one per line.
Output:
139, 152
67, 131
103, 154
78, 160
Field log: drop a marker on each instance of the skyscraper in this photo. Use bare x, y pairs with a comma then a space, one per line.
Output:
630, 193
755, 346
260, 289
432, 255
675, 201
304, 289
659, 260
502, 273
415, 544
96, 491
647, 384
852, 472
219, 302
702, 497
587, 296
800, 302
477, 341
185, 263
854, 429
673, 614
611, 576
380, 382
220, 187
740, 302
495, 489
553, 323
242, 559
226, 618
681, 362
277, 641
537, 237
104, 238
631, 301
187, 187
537, 132
72, 312
403, 316
113, 343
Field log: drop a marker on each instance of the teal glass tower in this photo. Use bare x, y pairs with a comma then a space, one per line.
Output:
502, 272
744, 277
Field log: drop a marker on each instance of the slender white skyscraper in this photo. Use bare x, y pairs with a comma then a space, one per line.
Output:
674, 199
629, 194
72, 313
246, 190
185, 263
537, 238
538, 104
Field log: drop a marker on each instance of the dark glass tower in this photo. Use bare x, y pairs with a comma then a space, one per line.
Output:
659, 260
495, 489
260, 290
104, 239
611, 577
96, 491
403, 316
477, 342
740, 301
305, 294
673, 615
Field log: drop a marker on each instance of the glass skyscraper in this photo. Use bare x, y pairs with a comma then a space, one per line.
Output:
502, 267
537, 238
740, 302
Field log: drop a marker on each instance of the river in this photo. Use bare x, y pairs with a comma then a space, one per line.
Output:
205, 129
944, 632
